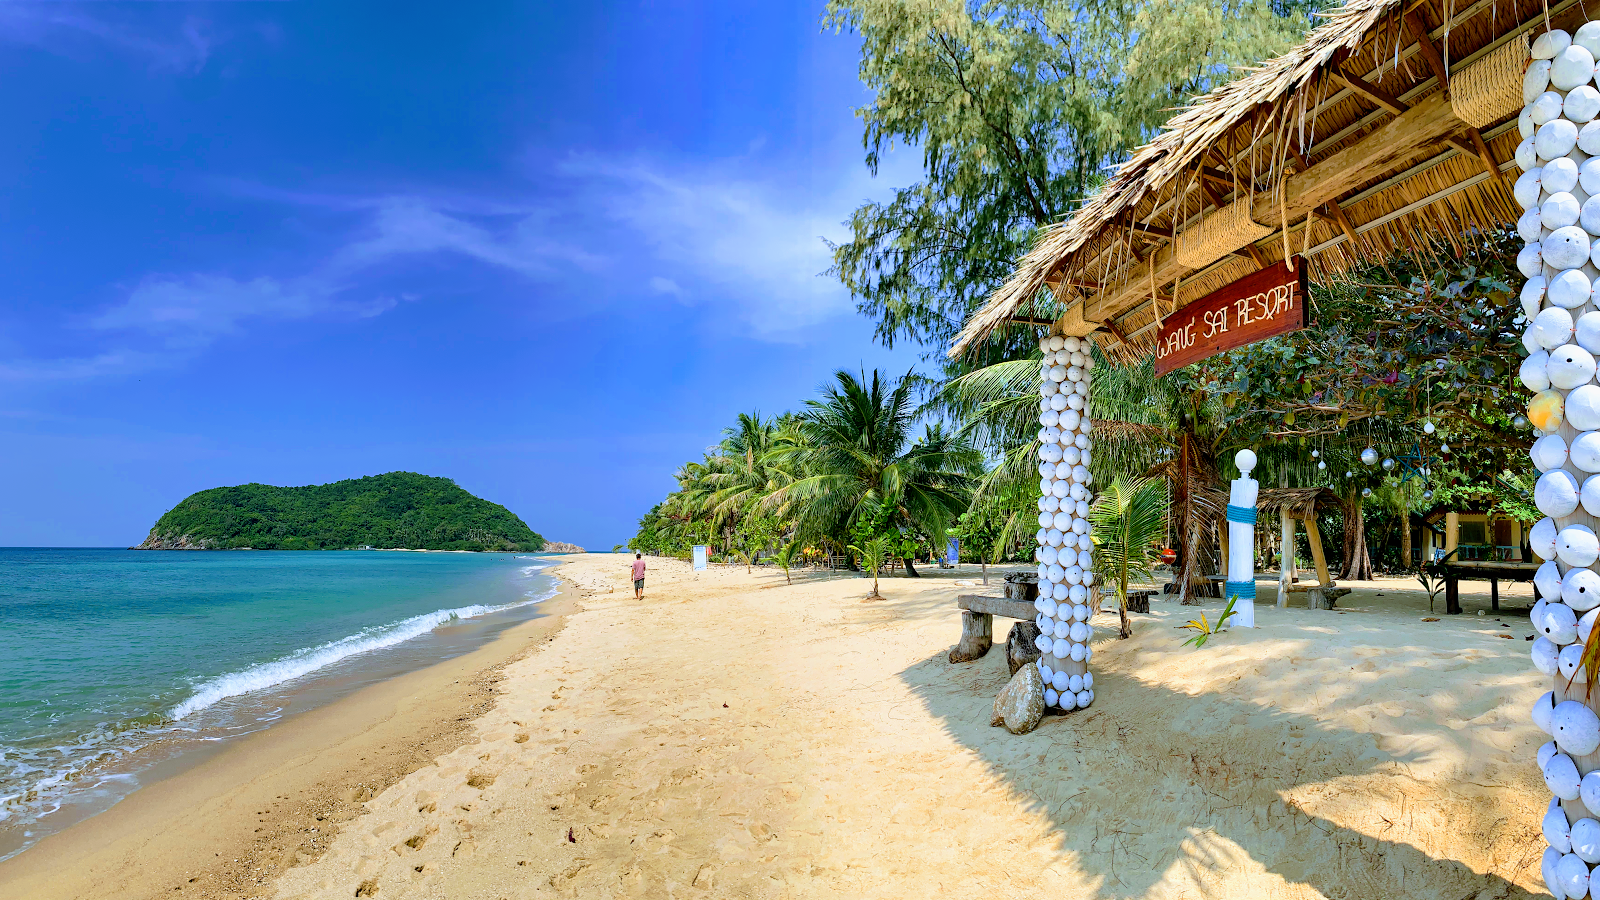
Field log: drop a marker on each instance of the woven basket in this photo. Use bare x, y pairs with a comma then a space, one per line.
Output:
1491, 88
1221, 233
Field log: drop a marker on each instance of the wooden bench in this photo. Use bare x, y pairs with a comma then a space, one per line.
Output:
977, 622
1492, 570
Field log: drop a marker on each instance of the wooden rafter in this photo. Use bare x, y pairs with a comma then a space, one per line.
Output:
1372, 94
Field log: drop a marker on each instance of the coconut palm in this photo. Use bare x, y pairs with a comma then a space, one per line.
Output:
785, 559
859, 466
1128, 523
874, 554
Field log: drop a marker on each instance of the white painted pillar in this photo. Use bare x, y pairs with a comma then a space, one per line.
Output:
1560, 224
1241, 583
1066, 574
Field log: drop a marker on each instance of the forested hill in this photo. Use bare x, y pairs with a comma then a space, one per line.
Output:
396, 510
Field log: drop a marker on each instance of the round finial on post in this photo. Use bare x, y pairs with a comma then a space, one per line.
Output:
1246, 460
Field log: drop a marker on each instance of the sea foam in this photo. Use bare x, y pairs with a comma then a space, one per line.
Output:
307, 660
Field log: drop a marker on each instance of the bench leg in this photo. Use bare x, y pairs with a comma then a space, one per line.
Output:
977, 636
1494, 594
1452, 597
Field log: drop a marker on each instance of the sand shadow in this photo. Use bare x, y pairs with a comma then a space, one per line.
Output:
1156, 793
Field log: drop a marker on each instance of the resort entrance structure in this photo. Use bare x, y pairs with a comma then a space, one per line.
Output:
1394, 127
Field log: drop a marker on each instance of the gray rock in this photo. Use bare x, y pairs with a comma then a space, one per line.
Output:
1020, 649
1021, 703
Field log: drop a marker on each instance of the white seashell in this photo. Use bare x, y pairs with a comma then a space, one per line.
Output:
1529, 343
1557, 831
1535, 81
1563, 248
1570, 365
1542, 538
1555, 138
1569, 662
1572, 67
1534, 373
1049, 417
1047, 555
1591, 502
1077, 593
1058, 373
1576, 545
1548, 580
1071, 455
1074, 683
1549, 452
1559, 623
1552, 327
1529, 260
1084, 698
1544, 659
1572, 876
1559, 210
1590, 215
1070, 419
1585, 451
1555, 493
1525, 129
1558, 175
1587, 331
1550, 44
1588, 176
1545, 108
1561, 776
1044, 519
1530, 226
1059, 488
1057, 341
1072, 344
1582, 105
1051, 698
1528, 186
1059, 594
1050, 453
1570, 288
1058, 402
1588, 139
1526, 156
1547, 870
1584, 836
1059, 648
1588, 37
1532, 296
1542, 708
1075, 400
1079, 632
1582, 409
1043, 643
1077, 652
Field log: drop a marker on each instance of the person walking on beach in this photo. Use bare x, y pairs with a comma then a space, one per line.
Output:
638, 576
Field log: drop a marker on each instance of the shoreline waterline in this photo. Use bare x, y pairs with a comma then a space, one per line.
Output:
60, 778
196, 825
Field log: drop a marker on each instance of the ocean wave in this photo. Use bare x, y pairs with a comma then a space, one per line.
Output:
309, 659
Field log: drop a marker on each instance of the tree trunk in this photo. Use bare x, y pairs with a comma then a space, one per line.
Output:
1405, 542
1191, 565
1357, 561
911, 571
1127, 626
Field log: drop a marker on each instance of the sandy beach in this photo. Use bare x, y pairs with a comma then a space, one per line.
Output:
733, 736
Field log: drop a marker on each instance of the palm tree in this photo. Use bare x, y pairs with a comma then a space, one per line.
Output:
857, 464
785, 559
874, 554
1129, 522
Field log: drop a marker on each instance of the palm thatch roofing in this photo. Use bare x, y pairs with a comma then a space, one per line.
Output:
1377, 134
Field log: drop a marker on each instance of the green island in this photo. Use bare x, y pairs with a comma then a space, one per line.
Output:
396, 510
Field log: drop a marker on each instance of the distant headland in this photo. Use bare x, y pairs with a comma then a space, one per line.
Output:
394, 511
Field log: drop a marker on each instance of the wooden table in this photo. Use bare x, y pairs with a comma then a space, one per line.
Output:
1492, 569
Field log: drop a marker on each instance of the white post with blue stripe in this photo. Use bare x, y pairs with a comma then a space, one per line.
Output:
1241, 583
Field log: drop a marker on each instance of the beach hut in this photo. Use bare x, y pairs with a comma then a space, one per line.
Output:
1394, 125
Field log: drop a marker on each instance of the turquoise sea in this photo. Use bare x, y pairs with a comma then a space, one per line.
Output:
114, 663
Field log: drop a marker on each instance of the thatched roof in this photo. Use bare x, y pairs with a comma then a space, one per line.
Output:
1343, 150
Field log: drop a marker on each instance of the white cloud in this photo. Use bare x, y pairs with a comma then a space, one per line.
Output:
193, 310
665, 286
64, 30
761, 245
412, 225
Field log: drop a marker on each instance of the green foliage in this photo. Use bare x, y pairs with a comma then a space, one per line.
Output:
1017, 109
1204, 629
874, 554
395, 510
785, 559
1128, 523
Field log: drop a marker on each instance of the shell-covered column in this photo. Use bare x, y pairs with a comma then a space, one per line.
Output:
1560, 191
1066, 574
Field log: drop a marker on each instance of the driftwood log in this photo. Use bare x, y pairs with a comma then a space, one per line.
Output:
977, 636
1020, 649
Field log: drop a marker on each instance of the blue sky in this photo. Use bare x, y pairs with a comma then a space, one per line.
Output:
547, 250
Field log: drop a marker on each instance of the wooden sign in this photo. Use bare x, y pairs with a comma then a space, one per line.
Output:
1258, 306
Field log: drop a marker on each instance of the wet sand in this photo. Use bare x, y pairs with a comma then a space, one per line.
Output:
273, 799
